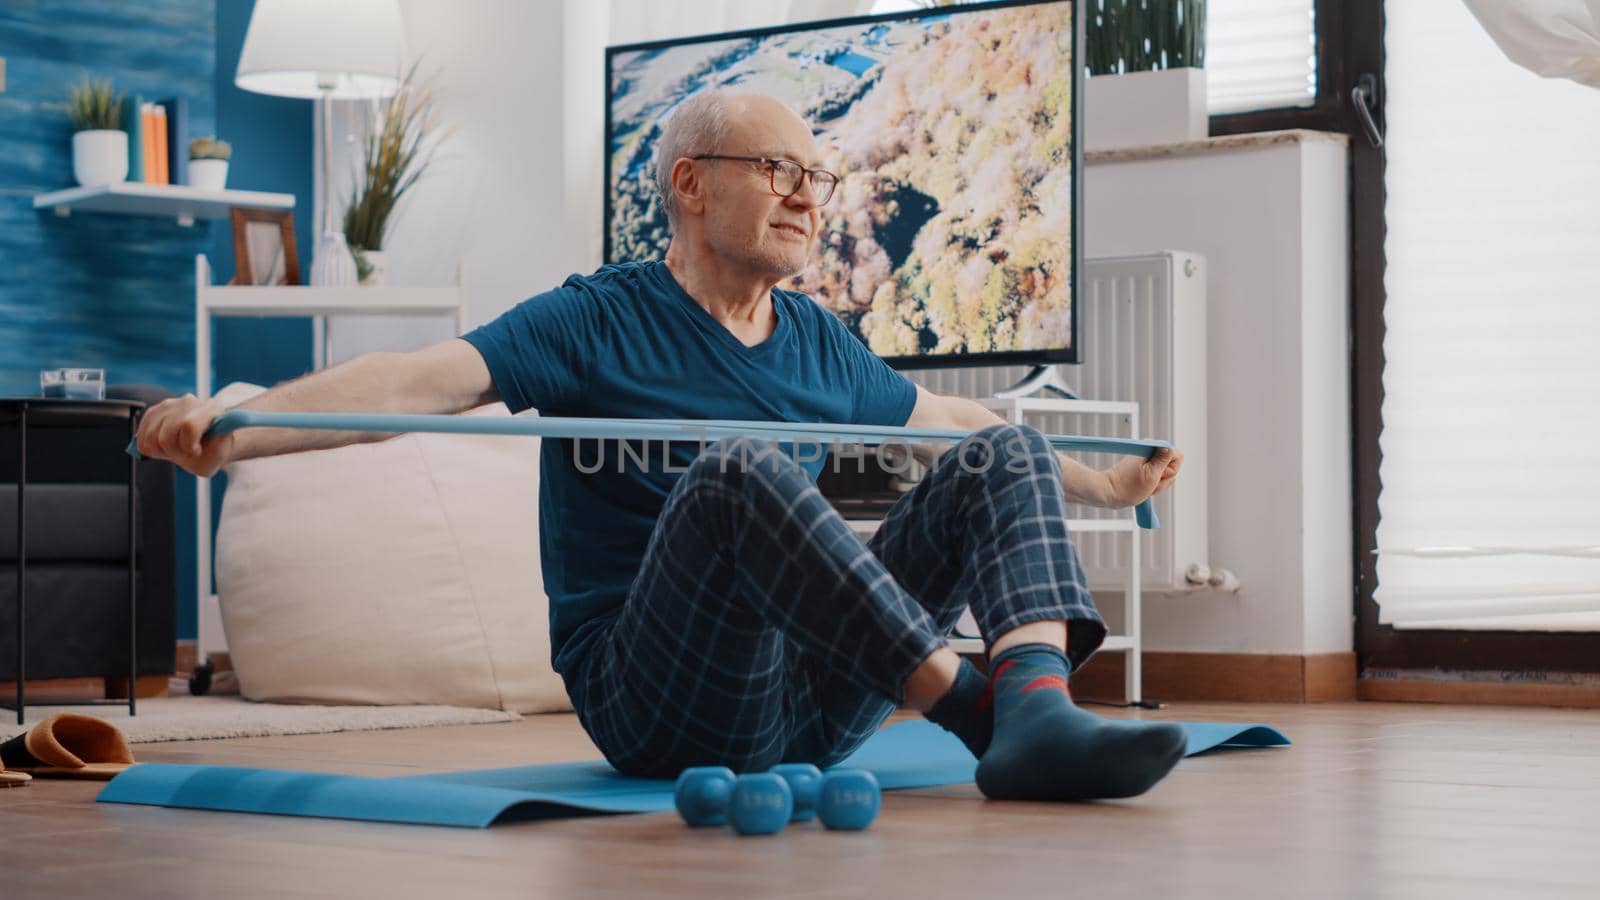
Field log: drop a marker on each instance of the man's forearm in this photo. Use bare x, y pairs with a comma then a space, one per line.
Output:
371, 383
1080, 483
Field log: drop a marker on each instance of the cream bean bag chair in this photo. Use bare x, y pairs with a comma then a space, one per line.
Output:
399, 572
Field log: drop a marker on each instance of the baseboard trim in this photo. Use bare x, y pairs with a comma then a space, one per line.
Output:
1574, 693
51, 691
42, 691
147, 686
1253, 677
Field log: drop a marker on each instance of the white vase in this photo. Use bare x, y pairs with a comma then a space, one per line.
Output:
1140, 109
208, 174
332, 264
100, 156
377, 268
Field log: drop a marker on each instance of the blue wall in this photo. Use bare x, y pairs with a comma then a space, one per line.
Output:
112, 292
117, 292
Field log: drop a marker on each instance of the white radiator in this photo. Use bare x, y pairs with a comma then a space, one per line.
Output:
1142, 333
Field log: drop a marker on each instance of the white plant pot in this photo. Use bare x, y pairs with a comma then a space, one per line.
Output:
100, 156
1140, 109
378, 274
208, 174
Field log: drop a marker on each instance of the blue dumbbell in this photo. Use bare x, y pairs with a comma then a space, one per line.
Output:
760, 804
752, 804
848, 799
701, 795
804, 781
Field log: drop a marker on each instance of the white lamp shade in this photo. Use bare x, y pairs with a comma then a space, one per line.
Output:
342, 49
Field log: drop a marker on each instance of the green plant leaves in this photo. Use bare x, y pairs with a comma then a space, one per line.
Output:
393, 158
92, 104
1144, 35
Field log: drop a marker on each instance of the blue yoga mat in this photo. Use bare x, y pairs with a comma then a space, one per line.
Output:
906, 755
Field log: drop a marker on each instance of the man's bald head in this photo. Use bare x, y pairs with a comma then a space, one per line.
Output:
717, 164
709, 120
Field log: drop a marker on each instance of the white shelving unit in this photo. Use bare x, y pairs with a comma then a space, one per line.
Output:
1016, 410
134, 198
289, 300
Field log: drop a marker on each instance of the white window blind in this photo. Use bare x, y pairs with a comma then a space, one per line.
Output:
1260, 54
1491, 415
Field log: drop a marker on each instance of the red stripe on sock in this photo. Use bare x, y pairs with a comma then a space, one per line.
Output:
1047, 681
986, 699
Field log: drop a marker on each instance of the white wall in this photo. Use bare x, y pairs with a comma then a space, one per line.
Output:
515, 193
1271, 222
497, 197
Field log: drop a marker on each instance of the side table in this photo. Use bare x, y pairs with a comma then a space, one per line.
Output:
63, 413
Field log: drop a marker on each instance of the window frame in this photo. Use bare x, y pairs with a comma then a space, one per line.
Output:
1350, 42
1331, 21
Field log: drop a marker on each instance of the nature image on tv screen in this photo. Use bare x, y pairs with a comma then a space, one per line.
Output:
951, 230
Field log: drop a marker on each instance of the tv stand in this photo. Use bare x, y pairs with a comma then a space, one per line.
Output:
1041, 379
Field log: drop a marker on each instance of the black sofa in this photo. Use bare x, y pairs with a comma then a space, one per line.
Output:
77, 551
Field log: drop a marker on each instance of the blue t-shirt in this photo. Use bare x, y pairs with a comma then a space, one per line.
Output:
628, 342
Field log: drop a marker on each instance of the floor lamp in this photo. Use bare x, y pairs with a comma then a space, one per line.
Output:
324, 50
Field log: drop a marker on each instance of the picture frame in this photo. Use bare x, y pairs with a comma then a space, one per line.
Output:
264, 250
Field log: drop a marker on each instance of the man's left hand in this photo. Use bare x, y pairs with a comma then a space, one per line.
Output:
1135, 479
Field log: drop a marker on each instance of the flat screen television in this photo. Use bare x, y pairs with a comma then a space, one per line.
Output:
953, 238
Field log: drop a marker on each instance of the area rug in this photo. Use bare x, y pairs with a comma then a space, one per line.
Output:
202, 718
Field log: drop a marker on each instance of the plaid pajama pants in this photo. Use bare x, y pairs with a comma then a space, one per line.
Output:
760, 629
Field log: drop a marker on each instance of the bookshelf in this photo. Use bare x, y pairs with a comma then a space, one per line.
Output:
214, 300
135, 198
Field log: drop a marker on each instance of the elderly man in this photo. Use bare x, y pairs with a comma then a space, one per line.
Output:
712, 607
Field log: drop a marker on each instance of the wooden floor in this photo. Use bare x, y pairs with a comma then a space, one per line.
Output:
1374, 800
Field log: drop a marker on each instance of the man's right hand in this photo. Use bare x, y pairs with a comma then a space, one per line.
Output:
172, 430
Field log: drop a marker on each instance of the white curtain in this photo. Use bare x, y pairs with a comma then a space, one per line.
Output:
1260, 54
1490, 504
1553, 38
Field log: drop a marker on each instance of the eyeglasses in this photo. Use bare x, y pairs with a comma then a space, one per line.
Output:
786, 176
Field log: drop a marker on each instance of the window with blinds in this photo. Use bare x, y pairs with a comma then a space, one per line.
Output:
1490, 499
1260, 54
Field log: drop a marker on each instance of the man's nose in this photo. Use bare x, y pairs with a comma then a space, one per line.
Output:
805, 197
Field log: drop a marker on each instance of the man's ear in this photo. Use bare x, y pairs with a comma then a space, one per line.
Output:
688, 186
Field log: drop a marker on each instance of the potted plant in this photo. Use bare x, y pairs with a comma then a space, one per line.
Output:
394, 155
99, 145
208, 163
1147, 83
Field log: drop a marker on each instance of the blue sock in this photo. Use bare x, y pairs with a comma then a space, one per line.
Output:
1046, 748
966, 711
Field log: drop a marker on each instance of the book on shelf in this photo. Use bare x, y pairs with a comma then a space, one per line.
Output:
155, 141
158, 139
177, 113
163, 157
133, 124
148, 151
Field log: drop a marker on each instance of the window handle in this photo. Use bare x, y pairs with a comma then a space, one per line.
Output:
1365, 98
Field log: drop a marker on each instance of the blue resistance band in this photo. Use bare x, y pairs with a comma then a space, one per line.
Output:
700, 430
